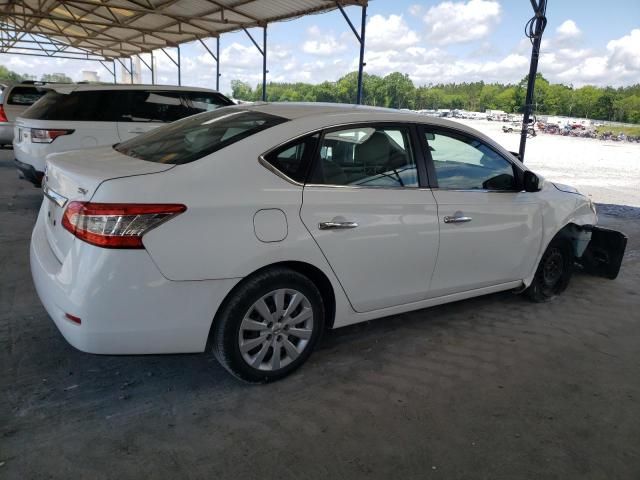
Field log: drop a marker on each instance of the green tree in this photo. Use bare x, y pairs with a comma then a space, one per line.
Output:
6, 74
55, 78
241, 90
398, 91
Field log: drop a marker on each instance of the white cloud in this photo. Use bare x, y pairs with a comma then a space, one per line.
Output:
415, 9
625, 51
460, 22
568, 29
389, 32
322, 44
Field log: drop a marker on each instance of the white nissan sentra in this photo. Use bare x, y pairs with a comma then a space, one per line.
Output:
249, 230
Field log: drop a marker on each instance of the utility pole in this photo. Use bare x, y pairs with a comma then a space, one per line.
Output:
534, 29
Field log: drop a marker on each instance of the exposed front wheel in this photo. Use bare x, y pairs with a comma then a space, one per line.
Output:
554, 271
269, 327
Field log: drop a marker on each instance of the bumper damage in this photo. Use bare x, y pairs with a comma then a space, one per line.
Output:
604, 253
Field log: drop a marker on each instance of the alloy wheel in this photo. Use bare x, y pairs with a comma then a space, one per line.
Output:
276, 329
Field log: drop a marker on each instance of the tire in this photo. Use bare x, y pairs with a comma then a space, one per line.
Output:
259, 348
554, 271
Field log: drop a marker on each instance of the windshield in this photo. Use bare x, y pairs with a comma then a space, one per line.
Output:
195, 137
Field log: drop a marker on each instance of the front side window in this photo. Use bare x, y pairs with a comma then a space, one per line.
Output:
24, 96
195, 137
366, 156
465, 163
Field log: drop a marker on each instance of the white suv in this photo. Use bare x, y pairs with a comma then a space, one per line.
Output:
15, 99
71, 117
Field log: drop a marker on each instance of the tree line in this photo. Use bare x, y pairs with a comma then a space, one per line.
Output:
396, 90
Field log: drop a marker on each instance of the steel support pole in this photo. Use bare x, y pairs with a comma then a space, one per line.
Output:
153, 70
131, 70
264, 64
540, 21
218, 63
179, 69
115, 79
361, 64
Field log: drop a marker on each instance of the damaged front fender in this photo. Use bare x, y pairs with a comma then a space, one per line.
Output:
604, 253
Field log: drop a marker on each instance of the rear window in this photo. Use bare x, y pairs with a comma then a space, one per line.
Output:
124, 105
195, 137
24, 96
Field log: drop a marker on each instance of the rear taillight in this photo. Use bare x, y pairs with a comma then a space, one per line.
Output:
3, 116
43, 135
116, 225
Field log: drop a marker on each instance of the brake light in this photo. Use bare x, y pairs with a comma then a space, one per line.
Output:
3, 116
43, 135
116, 225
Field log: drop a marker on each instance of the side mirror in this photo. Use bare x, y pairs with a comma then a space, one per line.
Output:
531, 182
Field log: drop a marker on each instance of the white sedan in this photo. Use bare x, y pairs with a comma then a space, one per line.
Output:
249, 230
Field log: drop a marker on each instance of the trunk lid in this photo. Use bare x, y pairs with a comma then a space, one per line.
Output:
75, 176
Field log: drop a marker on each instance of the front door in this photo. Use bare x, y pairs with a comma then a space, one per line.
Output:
490, 230
364, 207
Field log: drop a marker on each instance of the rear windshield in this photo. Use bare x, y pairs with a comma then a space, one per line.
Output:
24, 96
156, 106
198, 136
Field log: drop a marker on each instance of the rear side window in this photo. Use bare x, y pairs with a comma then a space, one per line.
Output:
24, 96
192, 138
124, 105
293, 158
94, 106
167, 106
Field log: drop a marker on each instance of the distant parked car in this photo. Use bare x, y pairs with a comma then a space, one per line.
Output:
71, 117
14, 100
249, 230
517, 127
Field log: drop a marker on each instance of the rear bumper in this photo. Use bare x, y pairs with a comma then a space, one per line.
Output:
6, 133
125, 304
29, 173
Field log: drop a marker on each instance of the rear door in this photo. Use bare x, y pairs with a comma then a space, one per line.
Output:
490, 230
364, 206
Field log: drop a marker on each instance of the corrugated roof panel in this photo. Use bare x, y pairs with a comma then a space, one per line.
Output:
114, 28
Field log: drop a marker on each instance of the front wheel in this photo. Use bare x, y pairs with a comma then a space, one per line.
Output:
554, 271
269, 326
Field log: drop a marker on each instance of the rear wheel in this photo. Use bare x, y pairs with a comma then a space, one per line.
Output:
269, 326
554, 271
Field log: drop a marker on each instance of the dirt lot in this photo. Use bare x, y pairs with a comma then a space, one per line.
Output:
490, 388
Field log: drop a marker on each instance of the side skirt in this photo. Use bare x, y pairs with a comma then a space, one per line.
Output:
431, 302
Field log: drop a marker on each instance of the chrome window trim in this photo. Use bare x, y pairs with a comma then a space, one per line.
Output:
265, 163
374, 187
54, 196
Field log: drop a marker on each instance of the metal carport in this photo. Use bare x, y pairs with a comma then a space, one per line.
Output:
110, 31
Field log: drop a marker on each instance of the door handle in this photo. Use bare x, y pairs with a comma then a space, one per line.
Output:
336, 225
457, 219
136, 130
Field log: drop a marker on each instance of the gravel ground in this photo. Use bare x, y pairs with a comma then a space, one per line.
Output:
490, 388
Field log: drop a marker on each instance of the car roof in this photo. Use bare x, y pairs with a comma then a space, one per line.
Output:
348, 112
84, 87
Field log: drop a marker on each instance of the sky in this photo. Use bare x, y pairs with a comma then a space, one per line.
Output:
432, 41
